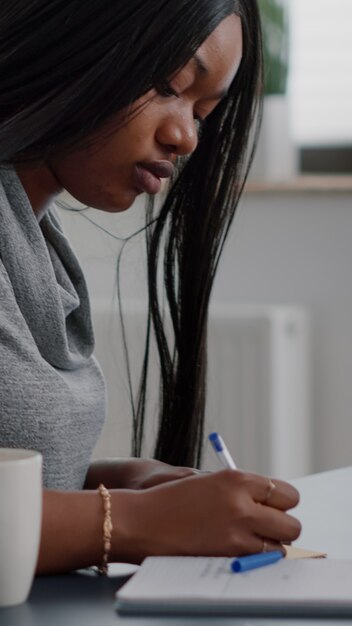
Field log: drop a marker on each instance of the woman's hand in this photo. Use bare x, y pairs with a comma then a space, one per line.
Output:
133, 473
226, 513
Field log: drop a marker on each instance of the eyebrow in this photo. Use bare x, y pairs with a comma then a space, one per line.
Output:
203, 70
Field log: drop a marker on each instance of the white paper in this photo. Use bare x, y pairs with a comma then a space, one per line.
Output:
206, 581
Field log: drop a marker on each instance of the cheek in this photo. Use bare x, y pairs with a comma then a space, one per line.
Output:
102, 176
96, 182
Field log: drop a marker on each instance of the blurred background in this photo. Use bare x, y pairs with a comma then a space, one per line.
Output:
308, 88
280, 335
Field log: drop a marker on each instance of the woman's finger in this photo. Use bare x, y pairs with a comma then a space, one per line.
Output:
275, 524
255, 544
272, 546
272, 492
281, 495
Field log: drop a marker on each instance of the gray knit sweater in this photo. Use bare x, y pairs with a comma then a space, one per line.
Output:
52, 392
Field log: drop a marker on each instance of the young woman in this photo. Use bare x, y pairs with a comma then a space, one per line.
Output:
105, 99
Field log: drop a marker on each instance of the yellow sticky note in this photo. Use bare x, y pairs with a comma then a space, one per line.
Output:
292, 552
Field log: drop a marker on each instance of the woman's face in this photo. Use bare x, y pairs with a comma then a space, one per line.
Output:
132, 159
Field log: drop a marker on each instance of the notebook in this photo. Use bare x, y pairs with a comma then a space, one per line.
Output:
205, 585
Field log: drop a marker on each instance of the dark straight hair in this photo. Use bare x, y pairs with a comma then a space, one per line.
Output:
196, 216
66, 67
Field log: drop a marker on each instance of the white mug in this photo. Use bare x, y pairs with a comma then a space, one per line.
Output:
20, 522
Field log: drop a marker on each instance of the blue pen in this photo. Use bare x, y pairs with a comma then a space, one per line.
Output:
253, 561
221, 451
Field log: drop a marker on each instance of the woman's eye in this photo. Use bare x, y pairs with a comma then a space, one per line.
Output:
165, 90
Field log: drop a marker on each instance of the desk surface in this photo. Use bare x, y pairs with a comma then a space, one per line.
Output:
83, 599
325, 511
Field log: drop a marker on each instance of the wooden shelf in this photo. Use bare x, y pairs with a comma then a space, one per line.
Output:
304, 184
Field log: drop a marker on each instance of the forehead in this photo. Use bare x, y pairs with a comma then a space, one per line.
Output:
221, 53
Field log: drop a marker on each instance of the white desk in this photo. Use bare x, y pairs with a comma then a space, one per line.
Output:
325, 511
80, 600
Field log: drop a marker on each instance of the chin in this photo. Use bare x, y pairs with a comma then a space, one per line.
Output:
113, 204
116, 208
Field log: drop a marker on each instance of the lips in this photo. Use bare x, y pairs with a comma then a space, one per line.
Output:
148, 175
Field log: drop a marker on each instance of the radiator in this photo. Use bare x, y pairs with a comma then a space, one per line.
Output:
258, 385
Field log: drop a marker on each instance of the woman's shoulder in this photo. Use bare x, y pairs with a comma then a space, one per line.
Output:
6, 288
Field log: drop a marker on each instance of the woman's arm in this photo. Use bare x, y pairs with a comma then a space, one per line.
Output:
220, 514
71, 535
133, 473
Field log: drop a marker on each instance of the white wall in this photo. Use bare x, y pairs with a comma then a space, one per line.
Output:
285, 248
296, 248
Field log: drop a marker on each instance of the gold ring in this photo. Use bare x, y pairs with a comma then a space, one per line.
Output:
271, 488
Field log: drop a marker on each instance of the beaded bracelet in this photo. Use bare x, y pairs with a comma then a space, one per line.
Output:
107, 530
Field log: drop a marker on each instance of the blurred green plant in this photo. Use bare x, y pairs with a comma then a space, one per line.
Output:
274, 15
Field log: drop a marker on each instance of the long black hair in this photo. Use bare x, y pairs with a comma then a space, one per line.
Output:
67, 66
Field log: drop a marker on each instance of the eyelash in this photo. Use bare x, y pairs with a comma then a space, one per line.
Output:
165, 90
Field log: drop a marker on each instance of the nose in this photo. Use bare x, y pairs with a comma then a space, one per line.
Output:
178, 135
